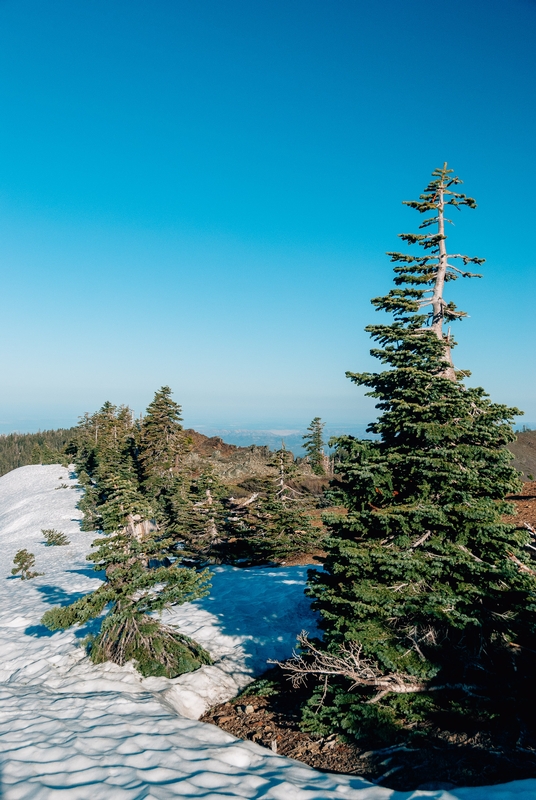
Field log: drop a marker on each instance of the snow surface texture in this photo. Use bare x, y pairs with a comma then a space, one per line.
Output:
75, 730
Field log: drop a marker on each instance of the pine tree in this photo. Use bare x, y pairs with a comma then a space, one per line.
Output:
24, 561
314, 444
163, 444
139, 581
143, 566
427, 596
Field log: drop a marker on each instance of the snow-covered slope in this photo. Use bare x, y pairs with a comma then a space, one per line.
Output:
74, 730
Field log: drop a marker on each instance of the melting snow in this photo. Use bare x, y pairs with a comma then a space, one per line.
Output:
75, 730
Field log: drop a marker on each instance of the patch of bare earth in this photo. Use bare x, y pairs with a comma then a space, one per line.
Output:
445, 760
525, 503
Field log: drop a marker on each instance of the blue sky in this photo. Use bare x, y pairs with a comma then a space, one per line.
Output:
200, 193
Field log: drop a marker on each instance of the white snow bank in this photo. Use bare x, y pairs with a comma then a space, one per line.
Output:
73, 729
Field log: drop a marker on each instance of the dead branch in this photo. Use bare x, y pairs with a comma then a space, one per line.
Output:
465, 550
351, 664
522, 567
422, 539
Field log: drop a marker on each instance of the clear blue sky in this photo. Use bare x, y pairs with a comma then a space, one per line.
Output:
200, 193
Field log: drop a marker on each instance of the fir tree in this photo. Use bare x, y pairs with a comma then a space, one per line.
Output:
138, 583
143, 569
427, 596
197, 514
273, 523
314, 444
24, 561
55, 538
267, 530
163, 444
104, 450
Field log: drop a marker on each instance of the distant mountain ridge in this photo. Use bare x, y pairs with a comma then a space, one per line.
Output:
21, 449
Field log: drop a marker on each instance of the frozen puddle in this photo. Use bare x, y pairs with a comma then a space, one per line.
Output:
74, 730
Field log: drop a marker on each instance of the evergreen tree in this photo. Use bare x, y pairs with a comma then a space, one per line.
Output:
197, 514
272, 524
140, 557
163, 444
138, 582
104, 452
268, 529
314, 444
427, 596
24, 561
55, 538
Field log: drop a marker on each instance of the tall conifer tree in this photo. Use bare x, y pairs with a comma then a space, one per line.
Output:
427, 596
163, 444
313, 445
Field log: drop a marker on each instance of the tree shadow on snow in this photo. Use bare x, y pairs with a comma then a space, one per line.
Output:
57, 596
265, 605
90, 573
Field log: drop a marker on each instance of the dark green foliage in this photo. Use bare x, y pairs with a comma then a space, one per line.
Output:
197, 514
140, 579
53, 537
104, 452
423, 572
314, 444
268, 530
273, 523
162, 444
126, 496
24, 561
156, 649
45, 447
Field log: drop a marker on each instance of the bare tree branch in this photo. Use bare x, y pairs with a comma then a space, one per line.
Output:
350, 663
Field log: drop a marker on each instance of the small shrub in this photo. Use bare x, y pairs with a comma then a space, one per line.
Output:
54, 537
61, 486
24, 561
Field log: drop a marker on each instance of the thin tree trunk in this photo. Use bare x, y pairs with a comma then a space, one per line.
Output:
438, 303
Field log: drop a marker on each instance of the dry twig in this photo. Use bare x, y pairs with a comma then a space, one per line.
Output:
350, 663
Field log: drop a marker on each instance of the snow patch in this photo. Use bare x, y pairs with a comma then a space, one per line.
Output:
101, 731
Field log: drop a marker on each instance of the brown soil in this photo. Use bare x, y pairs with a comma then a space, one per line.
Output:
525, 504
445, 760
524, 450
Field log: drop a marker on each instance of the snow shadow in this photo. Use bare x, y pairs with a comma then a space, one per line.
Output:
56, 596
265, 606
90, 573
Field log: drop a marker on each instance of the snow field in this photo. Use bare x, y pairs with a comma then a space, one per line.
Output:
70, 729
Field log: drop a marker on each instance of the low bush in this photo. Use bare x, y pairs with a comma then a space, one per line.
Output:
54, 537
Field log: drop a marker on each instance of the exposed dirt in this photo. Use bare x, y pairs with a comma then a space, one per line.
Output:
445, 760
524, 450
525, 504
